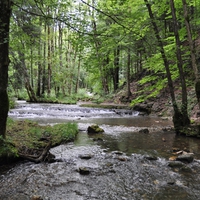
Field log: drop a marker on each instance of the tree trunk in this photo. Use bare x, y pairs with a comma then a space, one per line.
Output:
184, 107
105, 75
31, 67
44, 64
177, 117
38, 93
5, 12
128, 73
78, 75
30, 91
116, 68
192, 51
49, 61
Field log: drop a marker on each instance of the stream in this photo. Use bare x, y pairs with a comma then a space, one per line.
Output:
123, 163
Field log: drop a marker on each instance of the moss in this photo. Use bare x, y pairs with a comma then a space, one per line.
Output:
105, 106
28, 134
191, 131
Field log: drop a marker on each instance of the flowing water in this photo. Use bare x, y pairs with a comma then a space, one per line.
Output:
120, 163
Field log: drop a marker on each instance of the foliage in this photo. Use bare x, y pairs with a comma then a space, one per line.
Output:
11, 102
7, 149
59, 50
63, 132
139, 99
80, 52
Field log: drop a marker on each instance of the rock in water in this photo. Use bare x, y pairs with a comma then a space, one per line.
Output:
83, 170
145, 130
188, 157
94, 129
86, 156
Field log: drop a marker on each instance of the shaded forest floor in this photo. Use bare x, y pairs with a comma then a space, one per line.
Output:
160, 105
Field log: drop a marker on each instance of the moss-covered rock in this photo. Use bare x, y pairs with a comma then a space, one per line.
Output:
94, 129
190, 131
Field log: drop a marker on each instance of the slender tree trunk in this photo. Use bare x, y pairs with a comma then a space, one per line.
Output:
49, 61
31, 66
44, 63
102, 61
116, 68
105, 75
162, 51
128, 73
78, 75
192, 51
60, 47
177, 117
38, 93
30, 91
5, 12
184, 107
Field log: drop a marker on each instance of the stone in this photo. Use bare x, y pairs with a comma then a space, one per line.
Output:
145, 130
86, 156
83, 170
175, 164
35, 197
172, 158
94, 129
144, 108
98, 139
118, 152
151, 157
188, 157
122, 158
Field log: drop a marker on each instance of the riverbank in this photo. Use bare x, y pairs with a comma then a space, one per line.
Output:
29, 140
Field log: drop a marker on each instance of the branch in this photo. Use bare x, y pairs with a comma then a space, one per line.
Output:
102, 12
43, 15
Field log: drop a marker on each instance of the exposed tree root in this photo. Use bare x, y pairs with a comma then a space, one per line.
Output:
37, 156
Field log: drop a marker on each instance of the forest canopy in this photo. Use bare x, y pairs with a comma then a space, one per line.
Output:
62, 49
58, 47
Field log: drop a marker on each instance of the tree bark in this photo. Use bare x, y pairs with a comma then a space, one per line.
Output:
192, 51
128, 73
5, 13
162, 51
116, 68
184, 107
49, 61
178, 116
44, 63
38, 93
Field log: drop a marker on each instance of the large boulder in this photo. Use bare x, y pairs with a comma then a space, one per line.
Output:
94, 129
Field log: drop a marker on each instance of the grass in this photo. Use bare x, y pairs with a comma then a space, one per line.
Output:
31, 135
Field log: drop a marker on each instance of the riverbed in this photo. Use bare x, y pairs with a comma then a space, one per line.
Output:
124, 162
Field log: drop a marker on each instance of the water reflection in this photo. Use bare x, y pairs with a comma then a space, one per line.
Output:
136, 142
